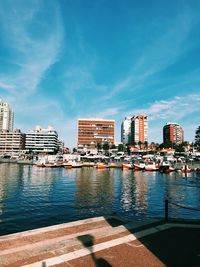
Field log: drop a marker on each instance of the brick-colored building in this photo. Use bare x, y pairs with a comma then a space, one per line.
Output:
173, 132
95, 131
11, 142
139, 129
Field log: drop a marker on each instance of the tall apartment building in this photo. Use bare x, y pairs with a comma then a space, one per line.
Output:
94, 131
126, 131
139, 129
11, 142
173, 132
6, 117
42, 140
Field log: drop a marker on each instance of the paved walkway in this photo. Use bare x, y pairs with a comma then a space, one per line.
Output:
104, 242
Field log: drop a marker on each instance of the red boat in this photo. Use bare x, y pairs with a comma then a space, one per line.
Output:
139, 166
127, 166
186, 169
101, 165
151, 166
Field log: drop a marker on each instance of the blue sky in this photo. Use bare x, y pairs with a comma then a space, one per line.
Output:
61, 60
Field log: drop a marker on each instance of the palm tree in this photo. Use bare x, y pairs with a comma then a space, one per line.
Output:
120, 147
140, 144
134, 143
146, 145
197, 139
106, 147
99, 146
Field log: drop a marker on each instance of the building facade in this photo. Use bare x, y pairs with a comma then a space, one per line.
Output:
6, 117
11, 142
173, 132
92, 132
42, 140
139, 129
126, 131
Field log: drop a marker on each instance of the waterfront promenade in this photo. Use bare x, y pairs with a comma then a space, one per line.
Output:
104, 241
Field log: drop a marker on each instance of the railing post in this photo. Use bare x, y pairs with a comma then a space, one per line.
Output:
166, 210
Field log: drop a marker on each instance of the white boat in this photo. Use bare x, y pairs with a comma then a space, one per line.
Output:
139, 166
151, 166
75, 164
166, 167
42, 162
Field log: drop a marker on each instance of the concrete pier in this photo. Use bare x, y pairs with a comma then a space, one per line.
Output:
104, 241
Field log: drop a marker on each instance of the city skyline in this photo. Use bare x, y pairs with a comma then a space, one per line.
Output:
65, 60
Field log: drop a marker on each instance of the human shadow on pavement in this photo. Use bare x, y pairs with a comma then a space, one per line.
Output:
88, 242
171, 246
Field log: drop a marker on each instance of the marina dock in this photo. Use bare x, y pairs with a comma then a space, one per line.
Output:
104, 241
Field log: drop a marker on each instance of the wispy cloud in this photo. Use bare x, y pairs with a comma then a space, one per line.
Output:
34, 52
80, 87
173, 109
108, 113
6, 86
183, 110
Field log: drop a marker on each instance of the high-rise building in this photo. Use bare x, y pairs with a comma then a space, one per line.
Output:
11, 142
95, 131
173, 132
6, 117
139, 129
42, 140
126, 131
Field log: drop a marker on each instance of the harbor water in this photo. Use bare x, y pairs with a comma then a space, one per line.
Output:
32, 197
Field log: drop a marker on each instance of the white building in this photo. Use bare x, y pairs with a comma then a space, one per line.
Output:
42, 140
126, 130
6, 117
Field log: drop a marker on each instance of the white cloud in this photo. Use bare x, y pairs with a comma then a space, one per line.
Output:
176, 108
183, 110
6, 86
33, 54
108, 113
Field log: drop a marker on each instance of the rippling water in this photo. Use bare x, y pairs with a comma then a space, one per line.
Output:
32, 197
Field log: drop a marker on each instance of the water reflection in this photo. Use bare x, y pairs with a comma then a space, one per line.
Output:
45, 196
128, 190
95, 191
142, 192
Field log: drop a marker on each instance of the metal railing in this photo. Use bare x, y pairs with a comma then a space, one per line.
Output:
167, 202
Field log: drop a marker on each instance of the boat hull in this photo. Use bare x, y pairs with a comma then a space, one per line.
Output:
127, 166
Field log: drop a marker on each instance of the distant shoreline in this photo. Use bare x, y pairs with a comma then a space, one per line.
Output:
178, 165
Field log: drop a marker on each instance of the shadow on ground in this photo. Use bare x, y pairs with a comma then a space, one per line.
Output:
88, 242
176, 246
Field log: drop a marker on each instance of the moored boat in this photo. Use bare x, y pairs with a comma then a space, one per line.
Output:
88, 164
151, 166
186, 169
101, 165
127, 166
139, 166
113, 165
42, 163
50, 165
76, 164
67, 166
166, 167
